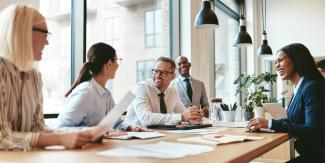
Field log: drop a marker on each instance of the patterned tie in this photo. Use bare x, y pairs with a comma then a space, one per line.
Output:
188, 89
162, 103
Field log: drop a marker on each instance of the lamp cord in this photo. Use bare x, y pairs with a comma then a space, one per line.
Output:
264, 14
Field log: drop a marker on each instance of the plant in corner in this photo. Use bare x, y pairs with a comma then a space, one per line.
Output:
253, 89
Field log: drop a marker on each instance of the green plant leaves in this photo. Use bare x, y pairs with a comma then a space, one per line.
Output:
253, 87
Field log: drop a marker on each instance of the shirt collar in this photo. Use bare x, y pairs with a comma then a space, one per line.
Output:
183, 78
157, 90
100, 90
298, 85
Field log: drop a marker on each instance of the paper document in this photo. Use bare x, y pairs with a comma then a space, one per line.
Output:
241, 124
216, 139
275, 110
163, 150
106, 123
199, 131
140, 135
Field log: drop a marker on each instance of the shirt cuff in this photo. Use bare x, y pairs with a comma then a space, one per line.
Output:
177, 117
269, 125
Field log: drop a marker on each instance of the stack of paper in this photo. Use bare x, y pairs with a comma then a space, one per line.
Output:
140, 135
164, 150
215, 140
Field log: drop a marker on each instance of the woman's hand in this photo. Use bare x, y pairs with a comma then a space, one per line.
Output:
257, 123
138, 129
75, 139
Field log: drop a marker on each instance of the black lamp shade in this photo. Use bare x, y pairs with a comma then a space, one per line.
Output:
242, 39
206, 18
265, 49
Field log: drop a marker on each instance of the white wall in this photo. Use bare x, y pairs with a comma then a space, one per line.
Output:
300, 21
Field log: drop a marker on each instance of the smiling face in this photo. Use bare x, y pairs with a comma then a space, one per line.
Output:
162, 75
183, 66
285, 66
39, 37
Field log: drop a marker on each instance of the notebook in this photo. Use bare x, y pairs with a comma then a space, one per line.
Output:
216, 139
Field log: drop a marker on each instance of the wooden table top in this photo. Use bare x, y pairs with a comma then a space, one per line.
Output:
235, 152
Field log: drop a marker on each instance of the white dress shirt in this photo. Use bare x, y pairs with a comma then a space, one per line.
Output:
87, 104
145, 108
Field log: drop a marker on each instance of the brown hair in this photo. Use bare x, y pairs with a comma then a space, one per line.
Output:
98, 55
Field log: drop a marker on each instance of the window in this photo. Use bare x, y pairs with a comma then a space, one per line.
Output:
111, 4
123, 28
144, 69
153, 28
112, 31
55, 65
227, 59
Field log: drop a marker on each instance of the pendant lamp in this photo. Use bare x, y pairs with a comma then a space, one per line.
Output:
265, 49
206, 18
242, 39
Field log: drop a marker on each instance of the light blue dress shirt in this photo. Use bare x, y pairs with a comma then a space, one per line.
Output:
87, 104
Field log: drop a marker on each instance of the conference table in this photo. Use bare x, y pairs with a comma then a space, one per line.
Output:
234, 152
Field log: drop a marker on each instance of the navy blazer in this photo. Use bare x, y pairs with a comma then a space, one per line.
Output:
305, 119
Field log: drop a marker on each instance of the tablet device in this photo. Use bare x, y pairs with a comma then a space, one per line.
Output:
275, 110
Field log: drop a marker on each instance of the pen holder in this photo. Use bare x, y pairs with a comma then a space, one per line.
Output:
229, 116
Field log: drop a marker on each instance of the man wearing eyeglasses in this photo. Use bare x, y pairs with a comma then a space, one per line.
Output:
191, 91
156, 102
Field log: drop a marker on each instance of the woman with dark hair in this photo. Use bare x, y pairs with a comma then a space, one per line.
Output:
305, 120
88, 99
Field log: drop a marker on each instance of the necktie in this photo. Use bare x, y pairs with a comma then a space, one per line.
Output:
189, 89
162, 103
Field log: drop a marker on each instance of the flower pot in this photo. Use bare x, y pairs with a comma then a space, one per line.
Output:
259, 112
248, 116
229, 116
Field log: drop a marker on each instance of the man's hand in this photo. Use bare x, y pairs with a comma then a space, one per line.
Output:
192, 114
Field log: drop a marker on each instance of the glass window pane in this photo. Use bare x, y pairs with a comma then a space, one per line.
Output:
226, 58
131, 34
149, 22
158, 21
150, 41
56, 63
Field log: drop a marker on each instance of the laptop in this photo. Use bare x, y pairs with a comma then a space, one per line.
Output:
275, 110
106, 123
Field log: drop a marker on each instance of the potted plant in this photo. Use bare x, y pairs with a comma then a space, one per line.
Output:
248, 111
253, 89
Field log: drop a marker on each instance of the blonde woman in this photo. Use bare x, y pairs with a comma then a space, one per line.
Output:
23, 35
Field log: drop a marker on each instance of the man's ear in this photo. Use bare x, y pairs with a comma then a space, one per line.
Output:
190, 64
173, 76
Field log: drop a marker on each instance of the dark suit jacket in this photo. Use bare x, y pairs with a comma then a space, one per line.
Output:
305, 119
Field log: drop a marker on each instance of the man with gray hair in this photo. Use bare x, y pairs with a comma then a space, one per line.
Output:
156, 102
191, 91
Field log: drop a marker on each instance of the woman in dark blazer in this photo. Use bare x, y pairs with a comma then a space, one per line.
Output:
305, 120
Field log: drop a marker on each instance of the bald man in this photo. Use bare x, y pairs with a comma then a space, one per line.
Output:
191, 91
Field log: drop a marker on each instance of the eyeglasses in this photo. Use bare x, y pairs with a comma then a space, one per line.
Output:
118, 60
161, 72
43, 31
